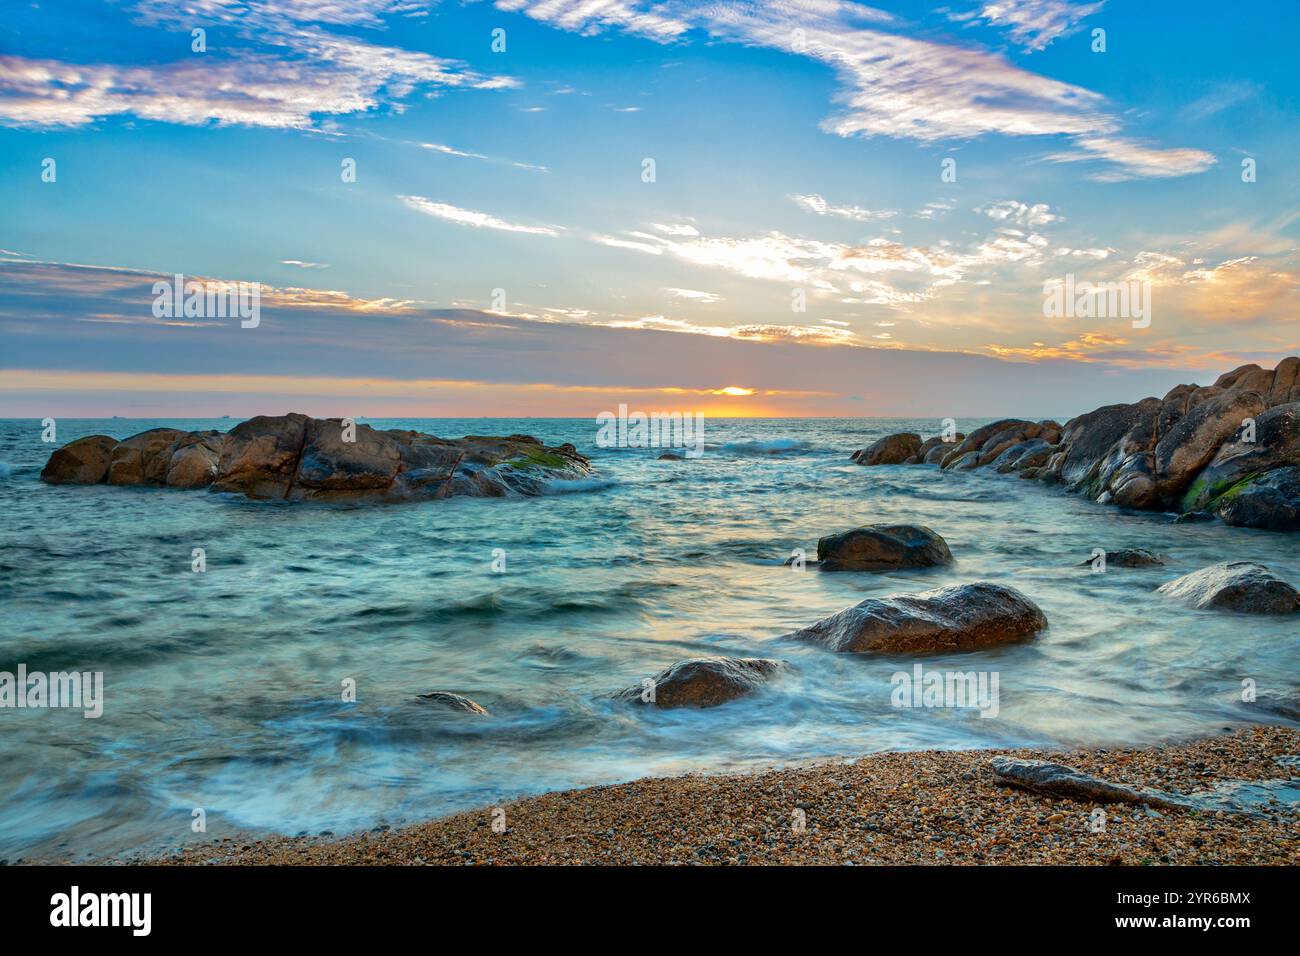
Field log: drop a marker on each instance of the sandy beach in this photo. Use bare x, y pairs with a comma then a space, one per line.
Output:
931, 807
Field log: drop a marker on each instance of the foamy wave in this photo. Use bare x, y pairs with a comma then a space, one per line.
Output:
775, 446
568, 486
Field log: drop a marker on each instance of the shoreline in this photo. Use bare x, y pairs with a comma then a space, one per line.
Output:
916, 807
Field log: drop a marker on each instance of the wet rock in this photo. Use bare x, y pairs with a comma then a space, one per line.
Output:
1241, 586
669, 456
81, 462
1194, 517
938, 452
1130, 558
1062, 782
890, 450
705, 681
959, 618
1270, 502
143, 459
454, 702
882, 548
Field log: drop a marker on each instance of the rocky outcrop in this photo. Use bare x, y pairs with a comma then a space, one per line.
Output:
703, 682
1231, 450
454, 702
881, 547
1241, 586
890, 450
81, 462
1062, 782
965, 617
296, 457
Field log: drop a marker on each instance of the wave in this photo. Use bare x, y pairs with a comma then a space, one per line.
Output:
568, 486
774, 446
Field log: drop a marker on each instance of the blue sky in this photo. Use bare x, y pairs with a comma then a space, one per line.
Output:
797, 150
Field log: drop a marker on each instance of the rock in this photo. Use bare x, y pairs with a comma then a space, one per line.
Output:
1194, 517
938, 451
1240, 461
81, 462
260, 456
1270, 502
882, 547
454, 702
705, 681
1241, 586
890, 450
669, 456
1062, 782
143, 459
329, 465
1195, 440
960, 618
1130, 558
194, 460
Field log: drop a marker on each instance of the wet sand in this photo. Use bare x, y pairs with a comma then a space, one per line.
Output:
931, 807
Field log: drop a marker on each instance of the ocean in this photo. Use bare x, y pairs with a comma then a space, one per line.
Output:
223, 689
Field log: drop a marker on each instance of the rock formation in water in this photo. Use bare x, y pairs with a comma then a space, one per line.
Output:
965, 617
881, 547
1231, 449
704, 682
1241, 586
296, 457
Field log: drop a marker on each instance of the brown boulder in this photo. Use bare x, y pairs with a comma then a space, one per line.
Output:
890, 450
965, 617
328, 463
143, 459
260, 456
81, 462
704, 682
1241, 586
881, 547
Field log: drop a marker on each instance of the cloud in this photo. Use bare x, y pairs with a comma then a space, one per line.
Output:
469, 217
899, 86
695, 295
816, 204
1034, 24
304, 265
1022, 214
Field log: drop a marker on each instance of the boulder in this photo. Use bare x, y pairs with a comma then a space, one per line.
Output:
938, 451
881, 547
454, 702
143, 459
1270, 502
260, 456
1239, 461
890, 450
81, 462
329, 464
194, 460
1062, 782
1241, 586
705, 681
1195, 440
1130, 558
965, 617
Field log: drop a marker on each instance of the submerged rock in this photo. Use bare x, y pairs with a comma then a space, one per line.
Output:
1129, 558
454, 702
81, 462
890, 450
964, 617
881, 547
296, 457
1058, 780
1241, 586
704, 682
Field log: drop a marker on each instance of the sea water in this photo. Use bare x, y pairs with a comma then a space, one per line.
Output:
224, 689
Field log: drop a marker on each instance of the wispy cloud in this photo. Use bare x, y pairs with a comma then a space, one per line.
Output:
816, 204
1033, 24
469, 217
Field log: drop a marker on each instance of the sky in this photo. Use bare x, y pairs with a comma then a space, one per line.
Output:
552, 208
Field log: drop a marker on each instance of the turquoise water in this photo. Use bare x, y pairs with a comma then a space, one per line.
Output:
223, 688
